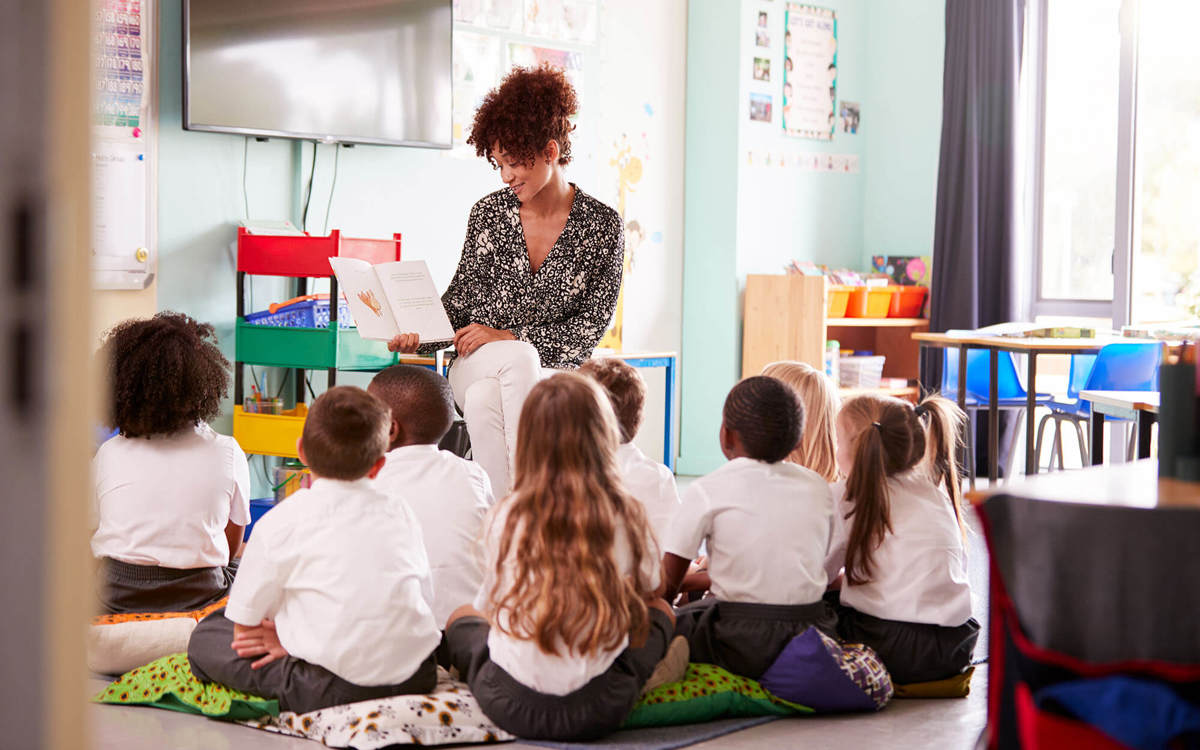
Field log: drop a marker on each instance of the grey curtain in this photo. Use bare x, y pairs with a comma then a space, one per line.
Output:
975, 232
974, 242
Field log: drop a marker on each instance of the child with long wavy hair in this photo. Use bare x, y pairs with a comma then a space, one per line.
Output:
900, 535
568, 625
818, 446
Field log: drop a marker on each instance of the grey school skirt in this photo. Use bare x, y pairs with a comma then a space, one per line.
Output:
125, 587
746, 638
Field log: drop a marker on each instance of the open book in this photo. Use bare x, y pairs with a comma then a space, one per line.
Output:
388, 299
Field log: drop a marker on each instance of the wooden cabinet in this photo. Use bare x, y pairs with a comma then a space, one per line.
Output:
785, 319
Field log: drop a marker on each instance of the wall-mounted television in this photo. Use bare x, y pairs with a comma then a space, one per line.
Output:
347, 71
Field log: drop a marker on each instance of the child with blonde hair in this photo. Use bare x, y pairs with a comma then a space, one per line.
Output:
568, 626
818, 447
901, 537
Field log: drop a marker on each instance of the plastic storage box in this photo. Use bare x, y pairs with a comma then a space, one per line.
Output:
306, 314
860, 372
907, 301
869, 302
839, 297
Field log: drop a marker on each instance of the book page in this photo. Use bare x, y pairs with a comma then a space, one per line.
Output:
414, 300
368, 302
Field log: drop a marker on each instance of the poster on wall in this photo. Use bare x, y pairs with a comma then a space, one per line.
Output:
499, 15
529, 56
809, 72
478, 67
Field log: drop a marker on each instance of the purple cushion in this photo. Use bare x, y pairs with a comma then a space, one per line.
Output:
817, 671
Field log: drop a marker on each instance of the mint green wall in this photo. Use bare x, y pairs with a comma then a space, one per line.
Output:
902, 124
710, 362
889, 61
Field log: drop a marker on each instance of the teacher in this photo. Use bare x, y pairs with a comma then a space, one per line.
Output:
540, 270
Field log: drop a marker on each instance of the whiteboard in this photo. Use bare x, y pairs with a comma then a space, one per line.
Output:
123, 146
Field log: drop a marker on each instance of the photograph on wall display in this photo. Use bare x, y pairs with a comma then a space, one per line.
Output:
849, 112
762, 19
762, 38
810, 69
760, 107
762, 69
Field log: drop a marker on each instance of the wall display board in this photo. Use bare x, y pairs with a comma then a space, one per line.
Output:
809, 72
123, 146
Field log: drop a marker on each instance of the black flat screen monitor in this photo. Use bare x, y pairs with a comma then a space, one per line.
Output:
348, 71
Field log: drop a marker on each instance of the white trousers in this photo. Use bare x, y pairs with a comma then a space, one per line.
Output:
490, 385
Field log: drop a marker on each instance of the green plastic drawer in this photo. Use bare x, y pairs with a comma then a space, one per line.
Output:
310, 348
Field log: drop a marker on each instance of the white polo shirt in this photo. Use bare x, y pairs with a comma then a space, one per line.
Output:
166, 500
450, 497
920, 568
767, 529
523, 659
650, 482
341, 568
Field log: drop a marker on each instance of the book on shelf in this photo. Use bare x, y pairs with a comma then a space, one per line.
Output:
388, 299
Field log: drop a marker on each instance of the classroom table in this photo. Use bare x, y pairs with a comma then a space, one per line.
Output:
1140, 407
1016, 345
1093, 574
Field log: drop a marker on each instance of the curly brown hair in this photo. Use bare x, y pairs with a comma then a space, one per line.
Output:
164, 374
625, 388
530, 108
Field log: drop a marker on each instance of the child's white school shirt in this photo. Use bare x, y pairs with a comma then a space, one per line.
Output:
920, 568
523, 659
341, 569
166, 500
650, 482
450, 497
767, 528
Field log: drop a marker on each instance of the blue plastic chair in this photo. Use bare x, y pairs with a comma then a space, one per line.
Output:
1010, 394
1124, 366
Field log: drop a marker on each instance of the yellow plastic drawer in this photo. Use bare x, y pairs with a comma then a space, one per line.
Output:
269, 434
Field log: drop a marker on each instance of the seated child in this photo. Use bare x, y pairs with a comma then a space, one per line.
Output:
330, 605
900, 536
766, 523
568, 625
449, 496
649, 481
171, 495
818, 394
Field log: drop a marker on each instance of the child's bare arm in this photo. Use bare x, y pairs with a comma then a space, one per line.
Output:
234, 535
674, 569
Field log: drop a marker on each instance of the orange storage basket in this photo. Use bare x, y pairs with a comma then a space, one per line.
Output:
869, 302
907, 302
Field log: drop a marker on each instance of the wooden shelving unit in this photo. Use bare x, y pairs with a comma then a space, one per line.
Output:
785, 319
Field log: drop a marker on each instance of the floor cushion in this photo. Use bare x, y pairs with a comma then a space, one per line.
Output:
829, 676
119, 643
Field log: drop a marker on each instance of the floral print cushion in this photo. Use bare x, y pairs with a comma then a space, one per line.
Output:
706, 693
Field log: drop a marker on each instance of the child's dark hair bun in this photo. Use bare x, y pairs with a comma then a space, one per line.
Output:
164, 374
767, 416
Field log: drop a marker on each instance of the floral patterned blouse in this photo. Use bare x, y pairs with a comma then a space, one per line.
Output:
565, 307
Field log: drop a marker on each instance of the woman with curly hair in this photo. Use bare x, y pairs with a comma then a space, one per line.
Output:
172, 497
540, 271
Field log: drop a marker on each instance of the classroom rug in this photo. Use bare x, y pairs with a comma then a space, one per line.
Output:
661, 738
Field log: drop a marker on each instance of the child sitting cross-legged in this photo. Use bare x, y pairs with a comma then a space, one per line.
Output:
450, 496
568, 627
330, 604
767, 524
648, 480
172, 497
900, 535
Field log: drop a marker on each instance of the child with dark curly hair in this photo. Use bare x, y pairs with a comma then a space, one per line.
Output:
767, 524
172, 496
541, 266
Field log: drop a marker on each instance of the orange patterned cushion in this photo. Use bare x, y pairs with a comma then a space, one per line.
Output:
196, 614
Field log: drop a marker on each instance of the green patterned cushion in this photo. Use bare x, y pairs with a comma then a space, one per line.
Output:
169, 683
706, 693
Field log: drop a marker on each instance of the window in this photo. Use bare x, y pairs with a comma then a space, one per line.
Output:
1112, 110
